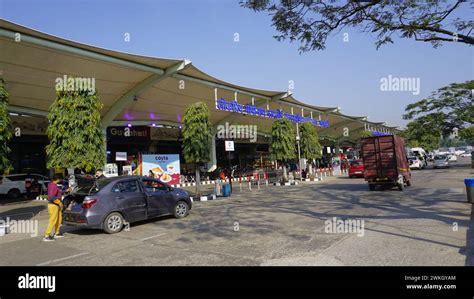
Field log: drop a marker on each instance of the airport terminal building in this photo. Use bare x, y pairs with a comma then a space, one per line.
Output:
144, 101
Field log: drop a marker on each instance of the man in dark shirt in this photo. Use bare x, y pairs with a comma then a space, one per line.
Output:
28, 185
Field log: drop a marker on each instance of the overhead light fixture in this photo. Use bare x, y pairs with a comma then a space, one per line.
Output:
129, 125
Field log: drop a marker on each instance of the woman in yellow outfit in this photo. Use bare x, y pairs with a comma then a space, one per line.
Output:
55, 207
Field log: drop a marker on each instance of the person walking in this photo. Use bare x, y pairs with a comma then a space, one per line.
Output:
55, 207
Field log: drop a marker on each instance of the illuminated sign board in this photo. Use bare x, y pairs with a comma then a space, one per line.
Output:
377, 133
250, 109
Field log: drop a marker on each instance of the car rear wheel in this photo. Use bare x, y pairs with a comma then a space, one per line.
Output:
408, 183
14, 193
181, 209
113, 223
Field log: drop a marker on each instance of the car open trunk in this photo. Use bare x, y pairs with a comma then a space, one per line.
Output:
74, 198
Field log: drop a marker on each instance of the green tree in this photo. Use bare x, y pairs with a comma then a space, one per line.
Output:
74, 131
312, 22
467, 134
420, 133
447, 108
365, 134
5, 130
196, 137
309, 143
283, 142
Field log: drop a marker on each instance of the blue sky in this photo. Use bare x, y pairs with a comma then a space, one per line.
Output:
346, 74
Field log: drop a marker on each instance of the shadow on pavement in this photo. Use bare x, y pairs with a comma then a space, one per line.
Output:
22, 213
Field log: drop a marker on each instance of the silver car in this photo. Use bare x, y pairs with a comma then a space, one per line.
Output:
441, 161
111, 203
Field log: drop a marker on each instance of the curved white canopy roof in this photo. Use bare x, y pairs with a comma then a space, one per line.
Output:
139, 89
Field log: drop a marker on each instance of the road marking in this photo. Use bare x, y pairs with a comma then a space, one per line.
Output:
148, 238
61, 259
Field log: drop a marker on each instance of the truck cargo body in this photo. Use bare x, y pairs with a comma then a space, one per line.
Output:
385, 161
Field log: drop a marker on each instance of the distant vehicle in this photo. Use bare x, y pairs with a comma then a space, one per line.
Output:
13, 186
111, 203
420, 153
431, 156
441, 161
443, 151
385, 161
459, 152
356, 169
466, 155
415, 163
452, 158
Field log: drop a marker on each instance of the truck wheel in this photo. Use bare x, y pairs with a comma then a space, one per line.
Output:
371, 187
400, 186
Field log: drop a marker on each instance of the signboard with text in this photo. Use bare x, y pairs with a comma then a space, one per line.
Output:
163, 167
136, 133
121, 156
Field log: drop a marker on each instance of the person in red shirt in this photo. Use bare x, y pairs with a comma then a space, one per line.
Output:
55, 207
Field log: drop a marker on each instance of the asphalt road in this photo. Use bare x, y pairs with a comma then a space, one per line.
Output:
429, 223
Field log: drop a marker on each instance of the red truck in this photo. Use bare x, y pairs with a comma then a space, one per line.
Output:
385, 161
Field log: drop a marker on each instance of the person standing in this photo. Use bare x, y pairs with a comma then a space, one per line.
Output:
55, 207
28, 185
99, 174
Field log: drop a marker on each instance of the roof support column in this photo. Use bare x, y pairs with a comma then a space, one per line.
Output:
212, 164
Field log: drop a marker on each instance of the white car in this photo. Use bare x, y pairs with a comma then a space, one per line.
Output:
452, 158
468, 154
14, 185
441, 161
415, 163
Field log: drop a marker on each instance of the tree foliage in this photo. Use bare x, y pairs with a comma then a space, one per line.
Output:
365, 134
447, 108
196, 137
5, 129
74, 131
422, 133
283, 140
196, 133
467, 134
311, 22
310, 146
